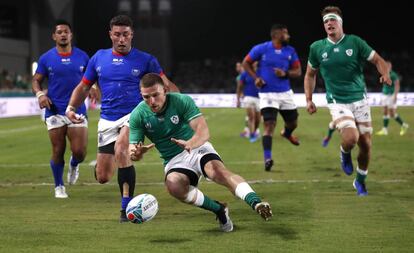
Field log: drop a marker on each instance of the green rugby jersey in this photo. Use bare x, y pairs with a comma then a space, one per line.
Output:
159, 128
389, 89
341, 66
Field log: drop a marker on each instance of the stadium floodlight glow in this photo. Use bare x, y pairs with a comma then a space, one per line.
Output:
34, 67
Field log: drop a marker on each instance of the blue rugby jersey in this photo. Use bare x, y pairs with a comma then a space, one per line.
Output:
270, 57
250, 88
64, 72
118, 77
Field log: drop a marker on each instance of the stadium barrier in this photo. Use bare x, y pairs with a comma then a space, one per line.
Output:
28, 106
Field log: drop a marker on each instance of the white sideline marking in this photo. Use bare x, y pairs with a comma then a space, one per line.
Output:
258, 181
30, 165
18, 130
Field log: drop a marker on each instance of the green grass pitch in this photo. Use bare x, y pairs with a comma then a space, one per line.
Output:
314, 204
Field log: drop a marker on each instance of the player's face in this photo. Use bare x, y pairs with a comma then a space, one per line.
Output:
332, 27
62, 35
239, 67
154, 96
121, 37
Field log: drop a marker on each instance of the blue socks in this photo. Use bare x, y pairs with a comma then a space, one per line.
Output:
57, 170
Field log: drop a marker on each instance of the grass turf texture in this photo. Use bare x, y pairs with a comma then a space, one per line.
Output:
314, 204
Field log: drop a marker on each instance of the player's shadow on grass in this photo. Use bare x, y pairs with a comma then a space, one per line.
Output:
281, 230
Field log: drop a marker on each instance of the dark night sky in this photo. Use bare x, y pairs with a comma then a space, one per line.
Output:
215, 28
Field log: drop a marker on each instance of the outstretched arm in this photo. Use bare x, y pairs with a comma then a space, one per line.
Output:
136, 151
309, 86
201, 135
382, 68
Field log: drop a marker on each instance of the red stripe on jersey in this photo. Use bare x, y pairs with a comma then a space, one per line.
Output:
295, 64
86, 81
248, 59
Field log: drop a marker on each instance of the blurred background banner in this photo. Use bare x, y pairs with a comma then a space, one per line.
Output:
198, 42
28, 106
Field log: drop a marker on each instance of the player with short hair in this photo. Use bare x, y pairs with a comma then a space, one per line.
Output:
118, 71
278, 62
247, 90
63, 66
340, 58
176, 127
389, 101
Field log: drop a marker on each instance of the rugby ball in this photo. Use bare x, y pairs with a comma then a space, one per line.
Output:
142, 208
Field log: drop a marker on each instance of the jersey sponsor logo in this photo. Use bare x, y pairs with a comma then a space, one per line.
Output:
336, 50
66, 61
135, 72
117, 61
148, 125
278, 51
175, 119
349, 52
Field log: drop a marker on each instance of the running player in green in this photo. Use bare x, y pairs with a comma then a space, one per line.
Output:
340, 58
389, 101
176, 127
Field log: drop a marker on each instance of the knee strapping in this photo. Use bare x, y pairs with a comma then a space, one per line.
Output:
346, 124
364, 129
194, 196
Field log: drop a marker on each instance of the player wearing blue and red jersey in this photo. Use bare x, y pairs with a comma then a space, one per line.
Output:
247, 90
118, 71
63, 66
278, 62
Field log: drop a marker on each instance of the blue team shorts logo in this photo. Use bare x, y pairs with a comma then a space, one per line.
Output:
100, 138
135, 72
175, 120
53, 121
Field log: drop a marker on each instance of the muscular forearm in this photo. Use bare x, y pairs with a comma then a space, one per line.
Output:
249, 68
79, 95
294, 73
309, 86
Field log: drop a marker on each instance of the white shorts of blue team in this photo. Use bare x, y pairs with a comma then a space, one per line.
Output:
278, 100
108, 131
57, 121
251, 102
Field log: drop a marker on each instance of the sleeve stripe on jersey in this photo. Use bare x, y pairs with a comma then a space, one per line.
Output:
86, 81
310, 65
371, 55
295, 64
195, 116
248, 59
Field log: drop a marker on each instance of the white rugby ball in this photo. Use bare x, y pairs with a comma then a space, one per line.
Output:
142, 208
